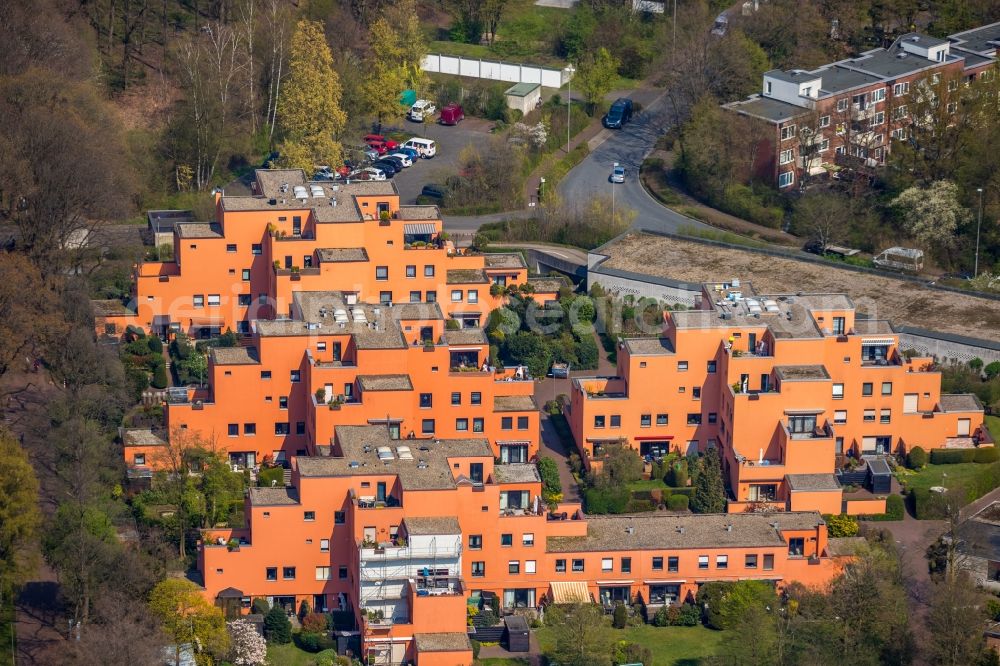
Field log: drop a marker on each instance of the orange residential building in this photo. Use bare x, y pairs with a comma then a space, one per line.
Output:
786, 386
404, 535
352, 309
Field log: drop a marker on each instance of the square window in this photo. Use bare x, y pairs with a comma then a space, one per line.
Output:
560, 566
616, 421
869, 416
271, 573
721, 561
694, 419
381, 273
415, 296
250, 429
712, 366
886, 388
530, 566
607, 564
840, 417
885, 416
198, 301
475, 541
476, 398
213, 299
599, 421
256, 248
234, 429
288, 573
478, 424
507, 423
411, 271
527, 539
338, 517
231, 247
456, 398
430, 297
426, 400
456, 295
703, 561
750, 562
866, 388
428, 271
796, 546
506, 540
578, 565
461, 424
682, 366
139, 459
522, 422
322, 573
324, 545
473, 296
245, 299
265, 374
661, 419
657, 564
713, 417
645, 420
427, 426
295, 376
281, 428
478, 569
785, 179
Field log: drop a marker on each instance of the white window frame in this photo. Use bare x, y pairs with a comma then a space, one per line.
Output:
878, 118
878, 95
530, 566
842, 104
787, 132
840, 416
607, 564
322, 573
473, 296
788, 177
786, 156
900, 89
456, 295
824, 121
824, 145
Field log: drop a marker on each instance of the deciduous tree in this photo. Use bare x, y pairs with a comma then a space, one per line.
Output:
932, 215
189, 618
309, 111
247, 647
19, 517
596, 76
581, 635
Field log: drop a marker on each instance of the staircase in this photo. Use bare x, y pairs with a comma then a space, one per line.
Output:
287, 475
855, 478
485, 633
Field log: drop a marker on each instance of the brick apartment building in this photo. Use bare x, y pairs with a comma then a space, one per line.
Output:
456, 528
398, 342
848, 113
787, 386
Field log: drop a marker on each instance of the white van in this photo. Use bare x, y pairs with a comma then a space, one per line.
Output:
425, 147
421, 110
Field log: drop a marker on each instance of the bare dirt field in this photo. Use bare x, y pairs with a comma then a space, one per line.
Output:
900, 301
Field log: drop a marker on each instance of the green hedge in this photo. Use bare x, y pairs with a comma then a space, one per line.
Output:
987, 454
677, 502
928, 505
894, 510
266, 476
952, 456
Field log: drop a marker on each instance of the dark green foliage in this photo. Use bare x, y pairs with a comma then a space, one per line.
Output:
311, 641
549, 471
710, 596
271, 476
475, 649
916, 458
952, 456
277, 628
619, 619
677, 474
639, 505
709, 491
303, 610
976, 364
992, 370
987, 454
228, 339
633, 653
160, 379
928, 505
606, 500
260, 606
155, 344
895, 507
677, 502
683, 615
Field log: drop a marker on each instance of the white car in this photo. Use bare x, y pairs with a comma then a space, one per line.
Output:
618, 174
369, 173
421, 110
404, 158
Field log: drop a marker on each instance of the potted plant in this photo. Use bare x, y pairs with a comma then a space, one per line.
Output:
384, 217
336, 403
277, 265
232, 545
428, 345
496, 289
736, 387
271, 228
320, 396
295, 269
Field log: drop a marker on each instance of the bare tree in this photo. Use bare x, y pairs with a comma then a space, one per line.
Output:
278, 28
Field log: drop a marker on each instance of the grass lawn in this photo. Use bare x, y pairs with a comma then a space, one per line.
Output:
647, 484
7, 632
993, 425
289, 655
502, 661
671, 646
949, 476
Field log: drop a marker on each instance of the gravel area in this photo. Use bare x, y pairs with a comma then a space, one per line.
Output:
900, 301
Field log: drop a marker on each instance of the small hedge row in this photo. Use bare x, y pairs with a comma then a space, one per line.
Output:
928, 505
986, 454
894, 510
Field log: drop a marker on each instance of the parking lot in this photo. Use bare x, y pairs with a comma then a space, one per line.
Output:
450, 142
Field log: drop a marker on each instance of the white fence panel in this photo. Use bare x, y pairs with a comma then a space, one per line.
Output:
494, 71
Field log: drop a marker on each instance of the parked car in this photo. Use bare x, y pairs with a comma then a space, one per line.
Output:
378, 139
412, 153
425, 147
421, 110
403, 157
388, 167
452, 114
433, 191
617, 173
395, 161
721, 25
369, 173
619, 114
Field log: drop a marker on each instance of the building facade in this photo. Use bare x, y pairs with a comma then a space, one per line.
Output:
848, 113
788, 387
403, 536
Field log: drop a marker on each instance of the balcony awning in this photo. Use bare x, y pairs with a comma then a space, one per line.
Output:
615, 582
207, 321
652, 438
876, 342
419, 229
575, 592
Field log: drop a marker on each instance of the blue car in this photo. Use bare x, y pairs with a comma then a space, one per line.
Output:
409, 152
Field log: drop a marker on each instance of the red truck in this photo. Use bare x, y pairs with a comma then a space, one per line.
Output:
452, 114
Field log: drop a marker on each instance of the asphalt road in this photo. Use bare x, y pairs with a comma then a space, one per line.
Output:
628, 147
450, 142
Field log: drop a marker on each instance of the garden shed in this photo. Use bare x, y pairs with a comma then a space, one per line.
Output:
516, 633
524, 96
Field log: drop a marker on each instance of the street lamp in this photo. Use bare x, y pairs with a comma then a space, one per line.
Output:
569, 100
979, 226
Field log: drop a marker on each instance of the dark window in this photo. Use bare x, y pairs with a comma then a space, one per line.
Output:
249, 428
245, 299
475, 541
522, 422
598, 421
866, 388
272, 573
231, 247
256, 248
381, 272
283, 402
616, 421
478, 425
234, 429
661, 419
507, 423
696, 392
431, 297
309, 515
300, 427
426, 400
478, 569
694, 419
513, 567
456, 398
476, 398
506, 540
281, 428
427, 426
295, 376
713, 417
751, 562
672, 563
578, 565
414, 296
796, 546
288, 573
711, 366
338, 517
560, 566
802, 424
657, 564
626, 565
342, 573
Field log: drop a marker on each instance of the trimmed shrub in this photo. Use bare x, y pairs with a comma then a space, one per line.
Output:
260, 606
895, 507
952, 456
709, 598
311, 641
160, 380
266, 476
688, 616
639, 505
987, 454
606, 500
475, 649
841, 525
677, 502
155, 344
928, 505
549, 471
315, 622
677, 475
277, 628
620, 618
916, 458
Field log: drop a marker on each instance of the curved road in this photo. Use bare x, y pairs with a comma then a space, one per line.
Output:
628, 147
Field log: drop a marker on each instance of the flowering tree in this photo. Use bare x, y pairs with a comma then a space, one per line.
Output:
248, 647
932, 215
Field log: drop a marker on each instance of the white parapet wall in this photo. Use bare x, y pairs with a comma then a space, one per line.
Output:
494, 70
